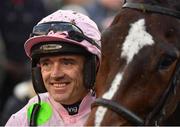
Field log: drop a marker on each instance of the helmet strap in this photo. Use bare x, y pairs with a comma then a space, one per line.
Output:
90, 71
37, 80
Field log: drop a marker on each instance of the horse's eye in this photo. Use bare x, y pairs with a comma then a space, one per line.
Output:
166, 61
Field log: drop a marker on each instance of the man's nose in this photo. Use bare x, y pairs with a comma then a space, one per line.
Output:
57, 71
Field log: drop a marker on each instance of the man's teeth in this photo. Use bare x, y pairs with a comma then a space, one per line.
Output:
59, 85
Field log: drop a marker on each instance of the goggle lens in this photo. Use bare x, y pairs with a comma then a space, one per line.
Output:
45, 28
74, 32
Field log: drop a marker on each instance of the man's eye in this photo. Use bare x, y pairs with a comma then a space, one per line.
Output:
44, 64
67, 62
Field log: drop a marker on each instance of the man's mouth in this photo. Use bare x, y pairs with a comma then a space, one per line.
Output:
60, 87
59, 84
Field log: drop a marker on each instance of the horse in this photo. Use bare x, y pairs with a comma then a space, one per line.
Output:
138, 82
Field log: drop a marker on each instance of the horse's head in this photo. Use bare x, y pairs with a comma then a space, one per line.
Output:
139, 78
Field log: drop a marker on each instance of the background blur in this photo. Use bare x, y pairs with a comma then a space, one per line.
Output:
17, 18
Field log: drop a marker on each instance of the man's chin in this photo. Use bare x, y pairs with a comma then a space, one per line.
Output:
59, 98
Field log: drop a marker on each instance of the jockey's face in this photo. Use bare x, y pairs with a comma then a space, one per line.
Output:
63, 77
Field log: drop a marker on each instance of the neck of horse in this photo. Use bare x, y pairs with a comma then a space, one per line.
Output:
173, 4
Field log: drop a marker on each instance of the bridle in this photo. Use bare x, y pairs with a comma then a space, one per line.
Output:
159, 112
152, 8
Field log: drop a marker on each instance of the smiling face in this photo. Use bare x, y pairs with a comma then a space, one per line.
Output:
63, 77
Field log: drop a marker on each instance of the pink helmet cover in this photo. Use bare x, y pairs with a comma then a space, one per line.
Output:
88, 27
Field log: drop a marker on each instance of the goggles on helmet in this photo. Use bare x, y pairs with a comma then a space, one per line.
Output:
74, 32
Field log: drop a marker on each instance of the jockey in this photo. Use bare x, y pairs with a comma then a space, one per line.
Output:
65, 51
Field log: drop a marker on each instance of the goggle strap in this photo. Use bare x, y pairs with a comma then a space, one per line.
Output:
75, 33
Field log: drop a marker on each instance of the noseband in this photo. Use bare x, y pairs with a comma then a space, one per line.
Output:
158, 113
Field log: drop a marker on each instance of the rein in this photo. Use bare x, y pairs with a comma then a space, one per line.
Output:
158, 113
119, 109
